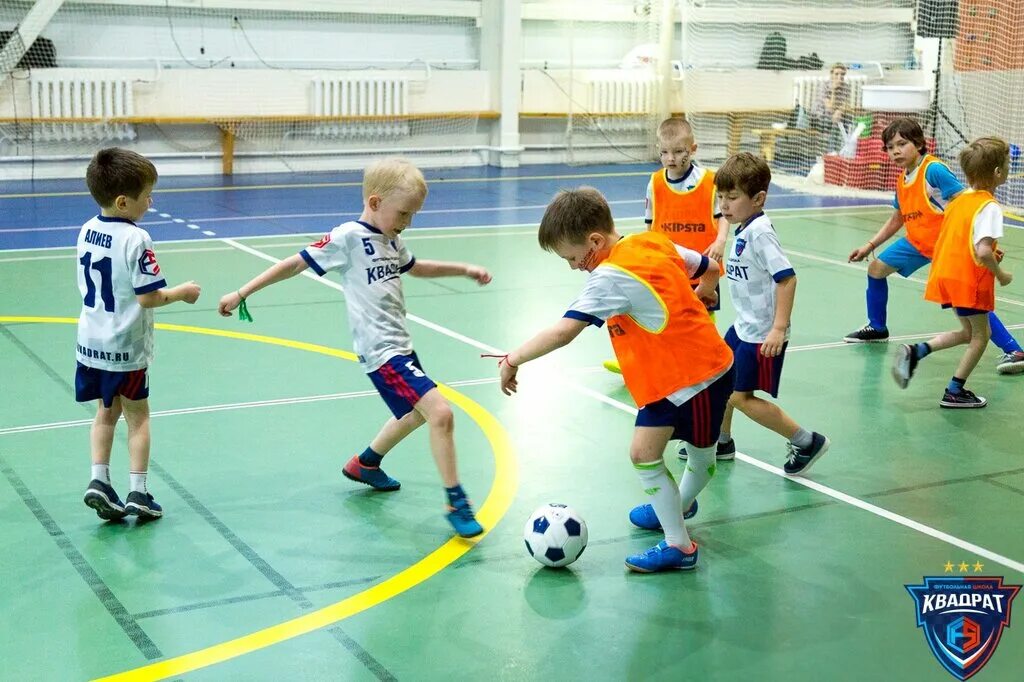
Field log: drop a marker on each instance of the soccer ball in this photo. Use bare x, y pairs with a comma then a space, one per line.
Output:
555, 535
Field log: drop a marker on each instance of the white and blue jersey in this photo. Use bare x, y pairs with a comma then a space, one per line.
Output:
370, 266
115, 264
756, 263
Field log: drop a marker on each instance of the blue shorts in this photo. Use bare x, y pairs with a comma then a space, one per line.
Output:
698, 421
401, 382
903, 256
755, 372
101, 384
965, 312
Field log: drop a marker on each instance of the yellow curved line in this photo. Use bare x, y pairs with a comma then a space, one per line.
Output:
499, 498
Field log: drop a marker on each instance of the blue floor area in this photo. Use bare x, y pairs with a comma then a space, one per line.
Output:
48, 214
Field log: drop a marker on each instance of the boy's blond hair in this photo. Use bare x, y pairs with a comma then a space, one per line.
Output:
675, 128
572, 215
115, 171
980, 159
389, 175
745, 172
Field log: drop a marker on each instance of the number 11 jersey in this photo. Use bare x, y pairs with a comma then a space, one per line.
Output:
115, 264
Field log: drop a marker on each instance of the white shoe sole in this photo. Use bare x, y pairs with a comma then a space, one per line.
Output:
963, 406
1010, 368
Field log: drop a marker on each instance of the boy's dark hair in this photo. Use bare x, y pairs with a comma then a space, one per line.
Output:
572, 215
745, 172
908, 129
115, 171
980, 159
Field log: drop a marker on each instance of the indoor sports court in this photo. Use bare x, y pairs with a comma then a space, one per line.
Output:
270, 565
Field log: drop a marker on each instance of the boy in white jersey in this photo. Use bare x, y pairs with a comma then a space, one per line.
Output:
120, 283
370, 256
762, 286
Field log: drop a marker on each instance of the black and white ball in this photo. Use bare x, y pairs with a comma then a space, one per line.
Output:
555, 535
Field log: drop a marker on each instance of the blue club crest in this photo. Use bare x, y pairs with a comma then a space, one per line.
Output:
963, 619
740, 245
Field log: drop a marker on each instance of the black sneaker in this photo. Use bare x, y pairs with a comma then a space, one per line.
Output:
867, 334
903, 364
103, 498
801, 459
963, 400
724, 452
143, 505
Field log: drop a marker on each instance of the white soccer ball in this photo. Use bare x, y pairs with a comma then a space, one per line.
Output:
555, 535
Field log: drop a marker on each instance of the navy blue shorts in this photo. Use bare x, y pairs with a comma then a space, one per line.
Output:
401, 382
965, 312
698, 421
101, 384
755, 372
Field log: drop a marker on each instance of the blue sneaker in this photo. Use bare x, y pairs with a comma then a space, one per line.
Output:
143, 505
801, 459
663, 557
103, 498
462, 519
371, 476
643, 516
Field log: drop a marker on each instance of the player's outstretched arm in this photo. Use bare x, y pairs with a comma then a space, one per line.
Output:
554, 337
717, 248
441, 268
891, 227
187, 292
277, 272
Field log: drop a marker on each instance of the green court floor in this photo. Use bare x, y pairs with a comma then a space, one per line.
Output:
266, 562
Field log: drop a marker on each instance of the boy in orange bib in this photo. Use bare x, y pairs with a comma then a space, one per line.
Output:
681, 202
675, 365
965, 268
923, 193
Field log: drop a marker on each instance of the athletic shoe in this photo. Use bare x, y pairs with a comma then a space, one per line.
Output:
643, 516
724, 452
1010, 363
801, 459
102, 497
371, 476
867, 334
612, 366
143, 505
963, 399
904, 362
663, 557
462, 519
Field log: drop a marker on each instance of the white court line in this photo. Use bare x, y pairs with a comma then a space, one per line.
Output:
823, 489
223, 407
831, 210
624, 224
863, 268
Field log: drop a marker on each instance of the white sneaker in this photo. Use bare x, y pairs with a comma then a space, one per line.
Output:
1010, 363
904, 362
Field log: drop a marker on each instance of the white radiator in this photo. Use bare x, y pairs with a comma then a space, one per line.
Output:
362, 96
74, 98
621, 95
807, 90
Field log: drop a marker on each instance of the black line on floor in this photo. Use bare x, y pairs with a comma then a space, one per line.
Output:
110, 602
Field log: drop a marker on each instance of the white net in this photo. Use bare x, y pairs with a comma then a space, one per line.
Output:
759, 78
287, 85
604, 72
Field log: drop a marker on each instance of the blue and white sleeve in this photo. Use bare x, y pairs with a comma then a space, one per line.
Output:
768, 251
145, 272
405, 258
941, 178
696, 264
600, 299
329, 253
